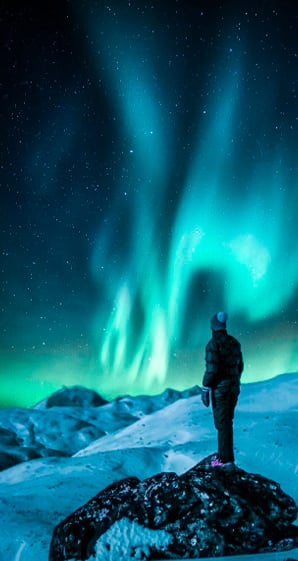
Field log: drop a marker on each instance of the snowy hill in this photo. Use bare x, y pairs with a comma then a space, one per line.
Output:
82, 449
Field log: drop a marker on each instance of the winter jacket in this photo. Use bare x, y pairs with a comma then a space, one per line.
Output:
224, 362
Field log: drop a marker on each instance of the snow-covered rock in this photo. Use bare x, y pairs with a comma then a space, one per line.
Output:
70, 420
203, 512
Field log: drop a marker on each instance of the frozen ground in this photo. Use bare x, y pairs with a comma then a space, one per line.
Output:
36, 495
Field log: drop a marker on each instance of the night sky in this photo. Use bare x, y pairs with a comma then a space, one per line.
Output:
148, 179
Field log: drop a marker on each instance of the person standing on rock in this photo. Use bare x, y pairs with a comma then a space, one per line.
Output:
224, 366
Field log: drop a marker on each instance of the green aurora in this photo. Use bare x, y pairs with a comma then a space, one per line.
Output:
168, 192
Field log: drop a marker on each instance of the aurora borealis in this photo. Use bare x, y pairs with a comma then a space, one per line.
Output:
148, 179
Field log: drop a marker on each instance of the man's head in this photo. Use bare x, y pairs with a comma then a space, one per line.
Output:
219, 321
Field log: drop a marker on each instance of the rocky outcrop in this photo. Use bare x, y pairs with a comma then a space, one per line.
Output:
77, 396
203, 512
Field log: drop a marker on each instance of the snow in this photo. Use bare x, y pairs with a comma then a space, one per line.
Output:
125, 537
141, 437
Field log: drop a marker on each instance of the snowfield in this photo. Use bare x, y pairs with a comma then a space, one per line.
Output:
134, 437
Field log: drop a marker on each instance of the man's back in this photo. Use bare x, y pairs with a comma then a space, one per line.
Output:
223, 359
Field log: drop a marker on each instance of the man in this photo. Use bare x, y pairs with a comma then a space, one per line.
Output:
224, 366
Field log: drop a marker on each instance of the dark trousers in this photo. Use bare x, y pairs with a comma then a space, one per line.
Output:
224, 400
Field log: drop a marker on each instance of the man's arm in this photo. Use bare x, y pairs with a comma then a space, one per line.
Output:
211, 360
240, 362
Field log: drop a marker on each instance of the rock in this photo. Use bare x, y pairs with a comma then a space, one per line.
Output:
7, 460
205, 512
8, 438
145, 404
13, 456
9, 443
75, 396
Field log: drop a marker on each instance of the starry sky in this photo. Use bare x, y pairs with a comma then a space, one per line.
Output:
148, 179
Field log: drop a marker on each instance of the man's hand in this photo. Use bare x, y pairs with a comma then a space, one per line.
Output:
205, 396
